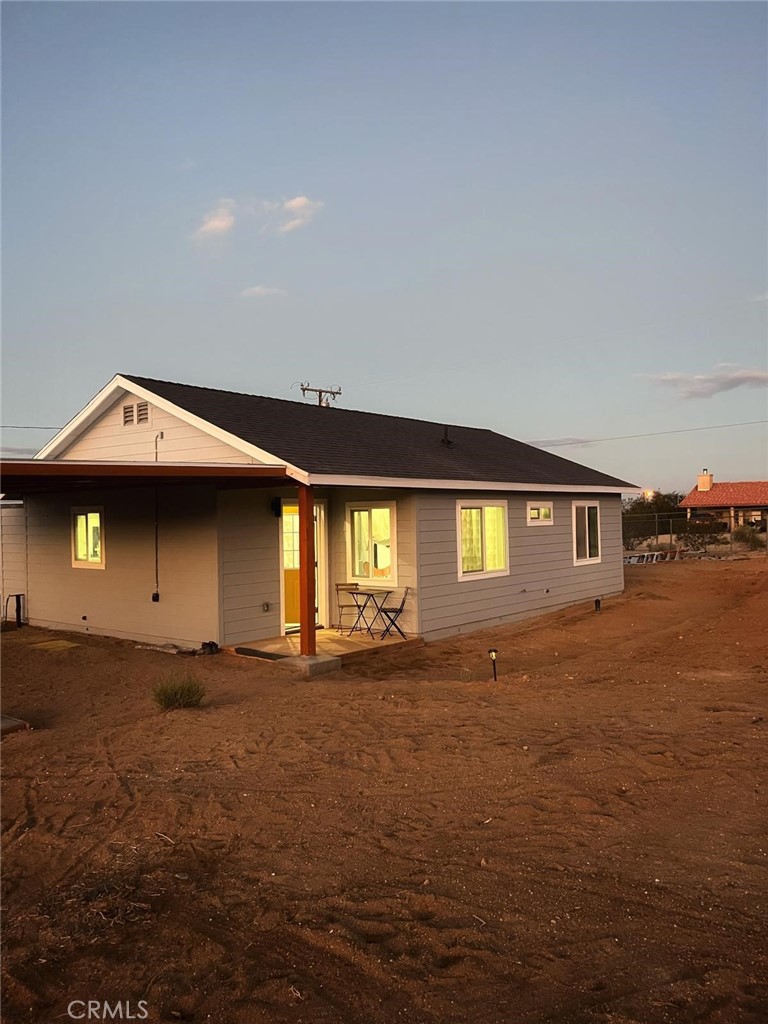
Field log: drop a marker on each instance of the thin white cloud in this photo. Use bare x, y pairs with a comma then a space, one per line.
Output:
12, 452
261, 291
278, 217
218, 221
725, 377
300, 211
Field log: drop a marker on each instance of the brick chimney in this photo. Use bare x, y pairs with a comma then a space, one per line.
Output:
704, 481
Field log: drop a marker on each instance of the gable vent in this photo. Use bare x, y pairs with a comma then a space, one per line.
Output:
142, 412
127, 415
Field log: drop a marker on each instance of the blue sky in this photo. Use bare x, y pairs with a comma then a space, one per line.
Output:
548, 219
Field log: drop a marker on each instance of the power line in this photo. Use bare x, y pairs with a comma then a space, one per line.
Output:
555, 444
656, 433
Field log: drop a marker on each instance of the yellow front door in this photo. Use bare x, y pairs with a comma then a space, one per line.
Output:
291, 565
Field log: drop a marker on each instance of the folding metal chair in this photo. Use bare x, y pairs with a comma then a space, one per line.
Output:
344, 606
392, 614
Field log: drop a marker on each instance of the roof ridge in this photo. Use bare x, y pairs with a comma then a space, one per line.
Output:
307, 405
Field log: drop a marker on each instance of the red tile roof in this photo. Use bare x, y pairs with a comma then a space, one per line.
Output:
750, 493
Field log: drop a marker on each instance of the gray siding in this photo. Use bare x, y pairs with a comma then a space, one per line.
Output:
13, 553
407, 559
117, 600
249, 565
542, 575
108, 440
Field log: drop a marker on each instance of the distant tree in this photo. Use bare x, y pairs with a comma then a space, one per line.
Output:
643, 517
658, 503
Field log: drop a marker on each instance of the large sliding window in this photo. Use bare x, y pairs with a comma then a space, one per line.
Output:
586, 532
482, 539
87, 538
371, 547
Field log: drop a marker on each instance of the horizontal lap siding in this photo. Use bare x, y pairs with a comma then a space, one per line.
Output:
249, 557
542, 575
108, 440
13, 553
405, 517
117, 600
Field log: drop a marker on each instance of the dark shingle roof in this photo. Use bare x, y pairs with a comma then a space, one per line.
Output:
347, 443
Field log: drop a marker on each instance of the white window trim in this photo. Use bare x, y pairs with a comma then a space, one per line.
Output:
84, 510
373, 581
539, 504
587, 504
485, 575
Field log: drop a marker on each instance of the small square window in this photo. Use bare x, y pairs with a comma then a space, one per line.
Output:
539, 513
88, 538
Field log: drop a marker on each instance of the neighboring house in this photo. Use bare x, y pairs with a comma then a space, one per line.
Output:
736, 504
169, 513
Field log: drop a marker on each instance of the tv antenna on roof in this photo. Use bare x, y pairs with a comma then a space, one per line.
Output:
324, 395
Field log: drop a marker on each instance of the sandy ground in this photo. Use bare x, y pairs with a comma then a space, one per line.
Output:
583, 842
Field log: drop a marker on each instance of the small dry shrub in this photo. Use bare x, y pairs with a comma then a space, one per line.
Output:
178, 692
748, 535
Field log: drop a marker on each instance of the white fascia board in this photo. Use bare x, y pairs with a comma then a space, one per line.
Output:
87, 463
97, 405
409, 483
110, 392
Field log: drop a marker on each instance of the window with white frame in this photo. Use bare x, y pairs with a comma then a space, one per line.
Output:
371, 546
481, 528
88, 538
586, 532
539, 513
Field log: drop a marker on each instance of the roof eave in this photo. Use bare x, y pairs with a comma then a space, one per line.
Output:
337, 480
24, 477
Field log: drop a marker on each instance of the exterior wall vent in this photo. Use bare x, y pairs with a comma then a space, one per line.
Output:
142, 412
127, 415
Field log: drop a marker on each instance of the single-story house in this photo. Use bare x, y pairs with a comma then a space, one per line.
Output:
735, 503
169, 513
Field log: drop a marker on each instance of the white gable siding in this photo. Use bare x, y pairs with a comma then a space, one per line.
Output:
13, 554
117, 600
108, 440
542, 575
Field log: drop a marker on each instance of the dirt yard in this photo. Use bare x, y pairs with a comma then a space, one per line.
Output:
406, 842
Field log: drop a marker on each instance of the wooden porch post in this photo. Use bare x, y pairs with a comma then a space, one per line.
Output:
307, 600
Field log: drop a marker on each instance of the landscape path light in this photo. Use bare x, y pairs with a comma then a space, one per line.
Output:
492, 654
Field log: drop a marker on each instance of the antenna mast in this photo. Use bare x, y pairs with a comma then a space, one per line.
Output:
324, 395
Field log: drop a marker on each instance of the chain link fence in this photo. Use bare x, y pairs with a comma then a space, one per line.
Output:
659, 531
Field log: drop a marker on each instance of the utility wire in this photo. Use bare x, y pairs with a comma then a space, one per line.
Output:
541, 444
656, 433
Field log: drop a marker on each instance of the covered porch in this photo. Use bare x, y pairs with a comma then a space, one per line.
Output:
328, 643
